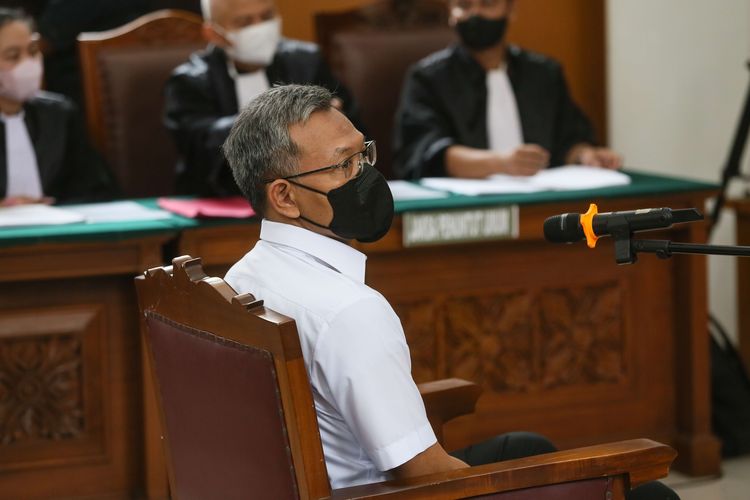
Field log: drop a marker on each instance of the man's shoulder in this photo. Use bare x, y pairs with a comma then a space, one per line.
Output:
50, 102
292, 46
443, 60
198, 65
528, 59
298, 279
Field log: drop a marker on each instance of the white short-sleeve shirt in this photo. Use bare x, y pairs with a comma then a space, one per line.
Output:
370, 413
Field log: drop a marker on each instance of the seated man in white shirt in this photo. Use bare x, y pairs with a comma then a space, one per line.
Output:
308, 172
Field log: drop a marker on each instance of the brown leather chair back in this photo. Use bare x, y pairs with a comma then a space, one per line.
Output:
371, 48
233, 392
124, 72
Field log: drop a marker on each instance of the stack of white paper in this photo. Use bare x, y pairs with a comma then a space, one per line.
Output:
405, 190
567, 178
473, 187
572, 177
117, 211
36, 215
93, 213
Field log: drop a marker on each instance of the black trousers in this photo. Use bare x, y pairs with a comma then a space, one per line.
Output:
525, 444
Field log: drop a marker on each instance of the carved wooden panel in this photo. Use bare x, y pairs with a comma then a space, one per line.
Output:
490, 340
583, 336
420, 321
40, 389
50, 385
520, 341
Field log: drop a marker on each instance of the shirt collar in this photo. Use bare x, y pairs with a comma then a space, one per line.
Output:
335, 254
474, 69
20, 115
236, 75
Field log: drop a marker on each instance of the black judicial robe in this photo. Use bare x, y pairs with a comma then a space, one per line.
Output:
444, 102
69, 169
201, 106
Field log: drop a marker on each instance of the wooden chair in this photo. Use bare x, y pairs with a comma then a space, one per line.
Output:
124, 71
239, 419
370, 48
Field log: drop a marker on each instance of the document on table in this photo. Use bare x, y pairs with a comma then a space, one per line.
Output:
36, 215
116, 211
234, 207
405, 190
91, 213
567, 178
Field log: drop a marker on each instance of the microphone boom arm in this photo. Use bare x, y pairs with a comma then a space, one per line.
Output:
627, 249
665, 248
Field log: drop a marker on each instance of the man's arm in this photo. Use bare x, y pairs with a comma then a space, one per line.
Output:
422, 131
433, 459
586, 154
425, 144
575, 142
191, 114
362, 367
199, 129
463, 161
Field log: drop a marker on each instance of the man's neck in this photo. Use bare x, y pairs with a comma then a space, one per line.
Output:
274, 216
243, 68
8, 107
491, 58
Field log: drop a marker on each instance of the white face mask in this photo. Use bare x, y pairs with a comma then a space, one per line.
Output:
22, 82
255, 44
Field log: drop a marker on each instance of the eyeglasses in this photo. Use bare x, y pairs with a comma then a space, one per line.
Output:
351, 167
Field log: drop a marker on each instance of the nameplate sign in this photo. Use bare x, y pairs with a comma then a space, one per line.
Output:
460, 226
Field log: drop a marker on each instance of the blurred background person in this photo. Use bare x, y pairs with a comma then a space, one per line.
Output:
45, 155
484, 107
245, 56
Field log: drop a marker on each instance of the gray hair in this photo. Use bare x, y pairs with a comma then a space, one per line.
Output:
259, 147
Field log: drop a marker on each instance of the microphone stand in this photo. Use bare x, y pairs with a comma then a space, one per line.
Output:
732, 166
627, 249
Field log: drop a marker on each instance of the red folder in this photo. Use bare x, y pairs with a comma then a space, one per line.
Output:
235, 207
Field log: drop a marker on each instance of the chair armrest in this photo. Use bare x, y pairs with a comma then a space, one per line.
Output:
642, 460
447, 399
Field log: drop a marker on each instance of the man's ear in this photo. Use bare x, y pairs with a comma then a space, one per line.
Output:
280, 197
213, 36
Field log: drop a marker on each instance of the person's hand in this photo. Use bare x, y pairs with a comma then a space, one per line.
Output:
25, 200
526, 159
599, 157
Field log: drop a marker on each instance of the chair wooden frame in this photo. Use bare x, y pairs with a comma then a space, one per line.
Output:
184, 294
147, 30
341, 32
381, 15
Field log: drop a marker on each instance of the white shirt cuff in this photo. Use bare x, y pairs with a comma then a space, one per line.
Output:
404, 449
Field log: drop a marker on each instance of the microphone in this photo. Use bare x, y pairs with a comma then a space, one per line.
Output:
570, 228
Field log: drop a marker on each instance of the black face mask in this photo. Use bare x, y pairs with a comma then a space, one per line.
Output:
362, 208
480, 33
